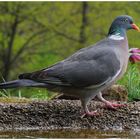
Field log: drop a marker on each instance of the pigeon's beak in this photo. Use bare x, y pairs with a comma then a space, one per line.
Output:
135, 27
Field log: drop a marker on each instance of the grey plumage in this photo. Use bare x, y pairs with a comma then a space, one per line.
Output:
82, 69
20, 83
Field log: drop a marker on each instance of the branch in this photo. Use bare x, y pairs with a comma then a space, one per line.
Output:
65, 35
25, 45
58, 32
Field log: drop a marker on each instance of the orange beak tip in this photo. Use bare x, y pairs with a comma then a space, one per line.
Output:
135, 27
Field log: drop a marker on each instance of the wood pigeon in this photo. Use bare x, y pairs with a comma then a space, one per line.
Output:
88, 71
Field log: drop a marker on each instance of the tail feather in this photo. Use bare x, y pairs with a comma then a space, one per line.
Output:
21, 83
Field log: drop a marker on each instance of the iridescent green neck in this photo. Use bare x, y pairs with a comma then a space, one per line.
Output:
116, 31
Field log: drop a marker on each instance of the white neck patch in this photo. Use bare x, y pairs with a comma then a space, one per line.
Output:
116, 37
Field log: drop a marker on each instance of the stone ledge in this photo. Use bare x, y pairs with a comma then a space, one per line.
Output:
64, 114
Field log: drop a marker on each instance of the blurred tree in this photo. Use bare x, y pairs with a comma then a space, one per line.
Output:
84, 22
18, 33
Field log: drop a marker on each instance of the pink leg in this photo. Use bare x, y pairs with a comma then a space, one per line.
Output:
87, 112
108, 104
113, 106
91, 114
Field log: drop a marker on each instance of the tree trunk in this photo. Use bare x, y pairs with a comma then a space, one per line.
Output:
83, 22
7, 61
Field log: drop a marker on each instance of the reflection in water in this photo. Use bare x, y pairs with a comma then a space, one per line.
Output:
87, 133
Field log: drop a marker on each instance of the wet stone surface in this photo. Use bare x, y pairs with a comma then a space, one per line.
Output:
66, 114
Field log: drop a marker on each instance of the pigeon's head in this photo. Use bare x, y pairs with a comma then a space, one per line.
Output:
121, 24
125, 22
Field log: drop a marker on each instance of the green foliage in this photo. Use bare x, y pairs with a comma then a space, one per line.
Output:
132, 82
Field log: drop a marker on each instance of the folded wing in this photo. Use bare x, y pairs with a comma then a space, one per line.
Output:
84, 68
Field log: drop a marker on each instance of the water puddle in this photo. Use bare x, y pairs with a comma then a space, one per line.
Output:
87, 133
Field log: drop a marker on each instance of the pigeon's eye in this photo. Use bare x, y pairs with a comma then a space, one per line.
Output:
125, 20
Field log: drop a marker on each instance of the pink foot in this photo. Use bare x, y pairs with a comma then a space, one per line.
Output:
91, 114
114, 106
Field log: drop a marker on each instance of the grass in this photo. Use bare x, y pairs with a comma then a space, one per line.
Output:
14, 100
29, 93
132, 82
24, 95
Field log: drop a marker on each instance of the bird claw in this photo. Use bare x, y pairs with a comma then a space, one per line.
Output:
114, 106
90, 114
